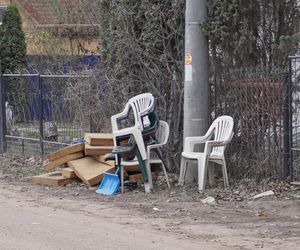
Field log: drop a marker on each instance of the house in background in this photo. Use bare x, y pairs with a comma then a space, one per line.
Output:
56, 27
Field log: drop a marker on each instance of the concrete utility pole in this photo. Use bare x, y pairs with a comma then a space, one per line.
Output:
2, 114
196, 86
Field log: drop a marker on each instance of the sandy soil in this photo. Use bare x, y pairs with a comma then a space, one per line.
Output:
38, 217
75, 217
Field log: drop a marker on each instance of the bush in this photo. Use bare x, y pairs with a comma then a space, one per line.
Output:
142, 48
12, 40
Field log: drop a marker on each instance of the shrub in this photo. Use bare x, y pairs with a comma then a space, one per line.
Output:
12, 40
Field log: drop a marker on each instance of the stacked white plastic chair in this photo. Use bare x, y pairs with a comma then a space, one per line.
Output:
140, 105
162, 136
222, 132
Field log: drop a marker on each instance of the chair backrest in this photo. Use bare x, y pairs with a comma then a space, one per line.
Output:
162, 133
223, 130
141, 105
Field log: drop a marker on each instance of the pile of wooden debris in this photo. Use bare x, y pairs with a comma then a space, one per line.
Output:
84, 161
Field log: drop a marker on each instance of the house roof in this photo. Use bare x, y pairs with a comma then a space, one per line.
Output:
59, 14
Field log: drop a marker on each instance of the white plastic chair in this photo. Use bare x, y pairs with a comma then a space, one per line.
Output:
162, 136
214, 149
140, 105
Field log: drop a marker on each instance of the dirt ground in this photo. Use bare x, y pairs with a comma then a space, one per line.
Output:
75, 217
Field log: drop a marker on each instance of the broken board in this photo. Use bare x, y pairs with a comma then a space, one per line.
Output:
139, 177
61, 161
66, 151
99, 139
89, 170
68, 173
97, 150
51, 179
101, 158
134, 167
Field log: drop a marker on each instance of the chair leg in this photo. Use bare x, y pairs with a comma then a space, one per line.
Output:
202, 167
166, 174
182, 162
148, 184
225, 176
185, 165
148, 168
122, 179
141, 145
183, 172
211, 174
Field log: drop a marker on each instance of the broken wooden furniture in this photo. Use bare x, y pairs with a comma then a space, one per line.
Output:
89, 170
84, 160
66, 151
222, 132
52, 179
49, 165
99, 139
98, 144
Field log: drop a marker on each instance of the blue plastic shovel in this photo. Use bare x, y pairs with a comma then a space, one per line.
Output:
109, 184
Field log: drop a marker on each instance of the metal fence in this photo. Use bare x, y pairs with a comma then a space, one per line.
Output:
255, 101
41, 112
45, 111
293, 141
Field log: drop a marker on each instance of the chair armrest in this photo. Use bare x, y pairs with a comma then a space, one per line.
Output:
155, 146
190, 142
124, 133
158, 151
211, 144
116, 118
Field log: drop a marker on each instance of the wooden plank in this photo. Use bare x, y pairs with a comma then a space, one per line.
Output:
99, 139
51, 179
68, 173
89, 170
132, 168
139, 177
66, 151
97, 150
61, 161
135, 168
101, 158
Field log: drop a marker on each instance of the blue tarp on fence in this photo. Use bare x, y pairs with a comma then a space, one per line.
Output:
61, 63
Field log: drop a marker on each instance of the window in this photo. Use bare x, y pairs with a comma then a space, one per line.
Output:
2, 10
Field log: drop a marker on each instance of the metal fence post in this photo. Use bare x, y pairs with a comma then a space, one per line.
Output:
2, 115
290, 112
41, 109
286, 127
91, 88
